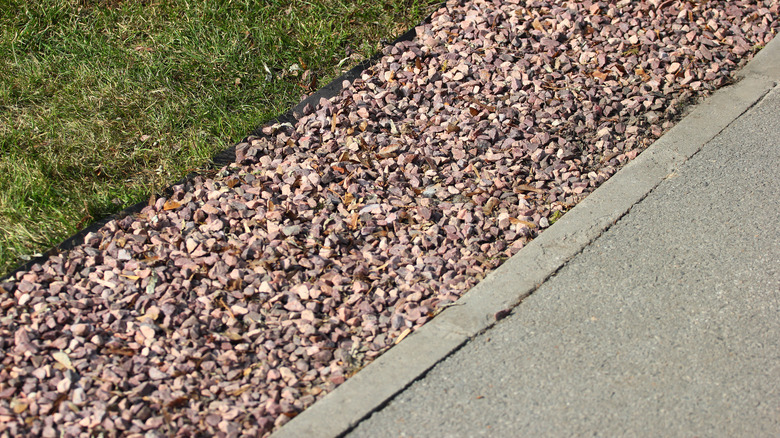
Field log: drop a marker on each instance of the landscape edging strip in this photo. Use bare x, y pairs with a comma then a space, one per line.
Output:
492, 298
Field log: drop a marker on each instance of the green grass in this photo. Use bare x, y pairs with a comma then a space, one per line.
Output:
103, 102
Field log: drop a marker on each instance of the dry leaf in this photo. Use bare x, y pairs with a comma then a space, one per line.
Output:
599, 75
18, 406
151, 314
526, 188
233, 336
490, 205
171, 205
537, 25
63, 359
124, 351
178, 402
248, 370
388, 151
403, 335
353, 222
240, 390
515, 221
480, 104
642, 73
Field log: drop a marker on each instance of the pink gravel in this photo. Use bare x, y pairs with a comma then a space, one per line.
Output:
232, 305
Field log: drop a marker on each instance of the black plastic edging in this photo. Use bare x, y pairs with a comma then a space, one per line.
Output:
226, 156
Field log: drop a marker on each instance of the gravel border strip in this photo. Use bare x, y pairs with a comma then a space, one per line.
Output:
196, 382
505, 288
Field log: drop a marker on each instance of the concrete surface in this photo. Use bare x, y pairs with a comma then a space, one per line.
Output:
667, 325
627, 311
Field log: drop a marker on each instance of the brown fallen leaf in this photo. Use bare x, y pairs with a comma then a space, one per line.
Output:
240, 390
480, 104
388, 151
123, 351
178, 402
251, 368
600, 75
233, 335
490, 205
63, 359
353, 221
515, 221
526, 188
308, 81
402, 336
642, 73
232, 182
224, 305
171, 205
18, 406
610, 156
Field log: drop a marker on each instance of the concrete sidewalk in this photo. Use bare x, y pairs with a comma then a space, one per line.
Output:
650, 309
667, 325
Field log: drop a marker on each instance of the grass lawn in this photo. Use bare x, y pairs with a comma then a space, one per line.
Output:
103, 102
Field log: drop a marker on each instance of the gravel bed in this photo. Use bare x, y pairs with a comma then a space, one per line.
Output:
234, 304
